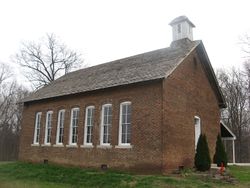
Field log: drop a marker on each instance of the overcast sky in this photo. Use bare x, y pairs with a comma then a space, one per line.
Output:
106, 30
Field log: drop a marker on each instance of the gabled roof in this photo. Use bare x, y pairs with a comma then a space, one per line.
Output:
226, 133
153, 65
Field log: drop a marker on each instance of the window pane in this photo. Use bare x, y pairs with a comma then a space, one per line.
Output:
48, 136
105, 129
88, 112
109, 120
109, 110
123, 109
106, 123
129, 109
91, 121
60, 138
88, 139
105, 119
88, 120
74, 128
76, 123
89, 124
104, 138
123, 119
92, 111
128, 138
123, 138
105, 111
62, 119
60, 126
37, 127
128, 118
123, 129
125, 123
37, 137
129, 128
48, 127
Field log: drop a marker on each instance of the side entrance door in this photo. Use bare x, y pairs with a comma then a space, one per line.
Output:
197, 128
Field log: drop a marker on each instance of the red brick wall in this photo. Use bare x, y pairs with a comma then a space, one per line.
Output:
146, 153
159, 108
187, 93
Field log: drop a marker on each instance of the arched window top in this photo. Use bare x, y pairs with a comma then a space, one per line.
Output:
125, 102
197, 119
90, 106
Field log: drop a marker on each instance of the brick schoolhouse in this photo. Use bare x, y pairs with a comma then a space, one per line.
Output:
142, 113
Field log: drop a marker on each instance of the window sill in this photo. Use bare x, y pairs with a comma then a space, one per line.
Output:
124, 146
104, 146
35, 145
86, 146
46, 145
71, 146
58, 145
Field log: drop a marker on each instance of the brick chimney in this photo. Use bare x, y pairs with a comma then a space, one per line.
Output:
182, 28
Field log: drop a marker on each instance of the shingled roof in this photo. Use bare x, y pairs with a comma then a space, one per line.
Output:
148, 66
180, 19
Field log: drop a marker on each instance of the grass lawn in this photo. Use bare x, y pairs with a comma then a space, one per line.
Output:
242, 174
25, 175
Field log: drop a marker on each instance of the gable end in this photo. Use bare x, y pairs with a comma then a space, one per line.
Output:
210, 74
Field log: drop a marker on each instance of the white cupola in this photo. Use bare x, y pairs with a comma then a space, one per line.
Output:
182, 28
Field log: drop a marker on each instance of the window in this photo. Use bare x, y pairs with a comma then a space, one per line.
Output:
125, 124
48, 127
197, 129
74, 126
89, 119
179, 28
37, 128
60, 127
106, 124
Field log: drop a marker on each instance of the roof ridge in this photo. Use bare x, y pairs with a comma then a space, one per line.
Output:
117, 60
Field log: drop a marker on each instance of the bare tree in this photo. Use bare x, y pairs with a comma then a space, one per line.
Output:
5, 72
245, 47
10, 114
234, 85
47, 60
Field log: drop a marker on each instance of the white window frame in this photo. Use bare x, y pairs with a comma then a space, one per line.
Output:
86, 125
71, 126
195, 126
46, 128
120, 124
37, 124
102, 125
59, 123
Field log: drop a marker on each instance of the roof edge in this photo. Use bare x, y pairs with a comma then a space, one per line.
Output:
83, 92
219, 94
181, 61
181, 19
229, 130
